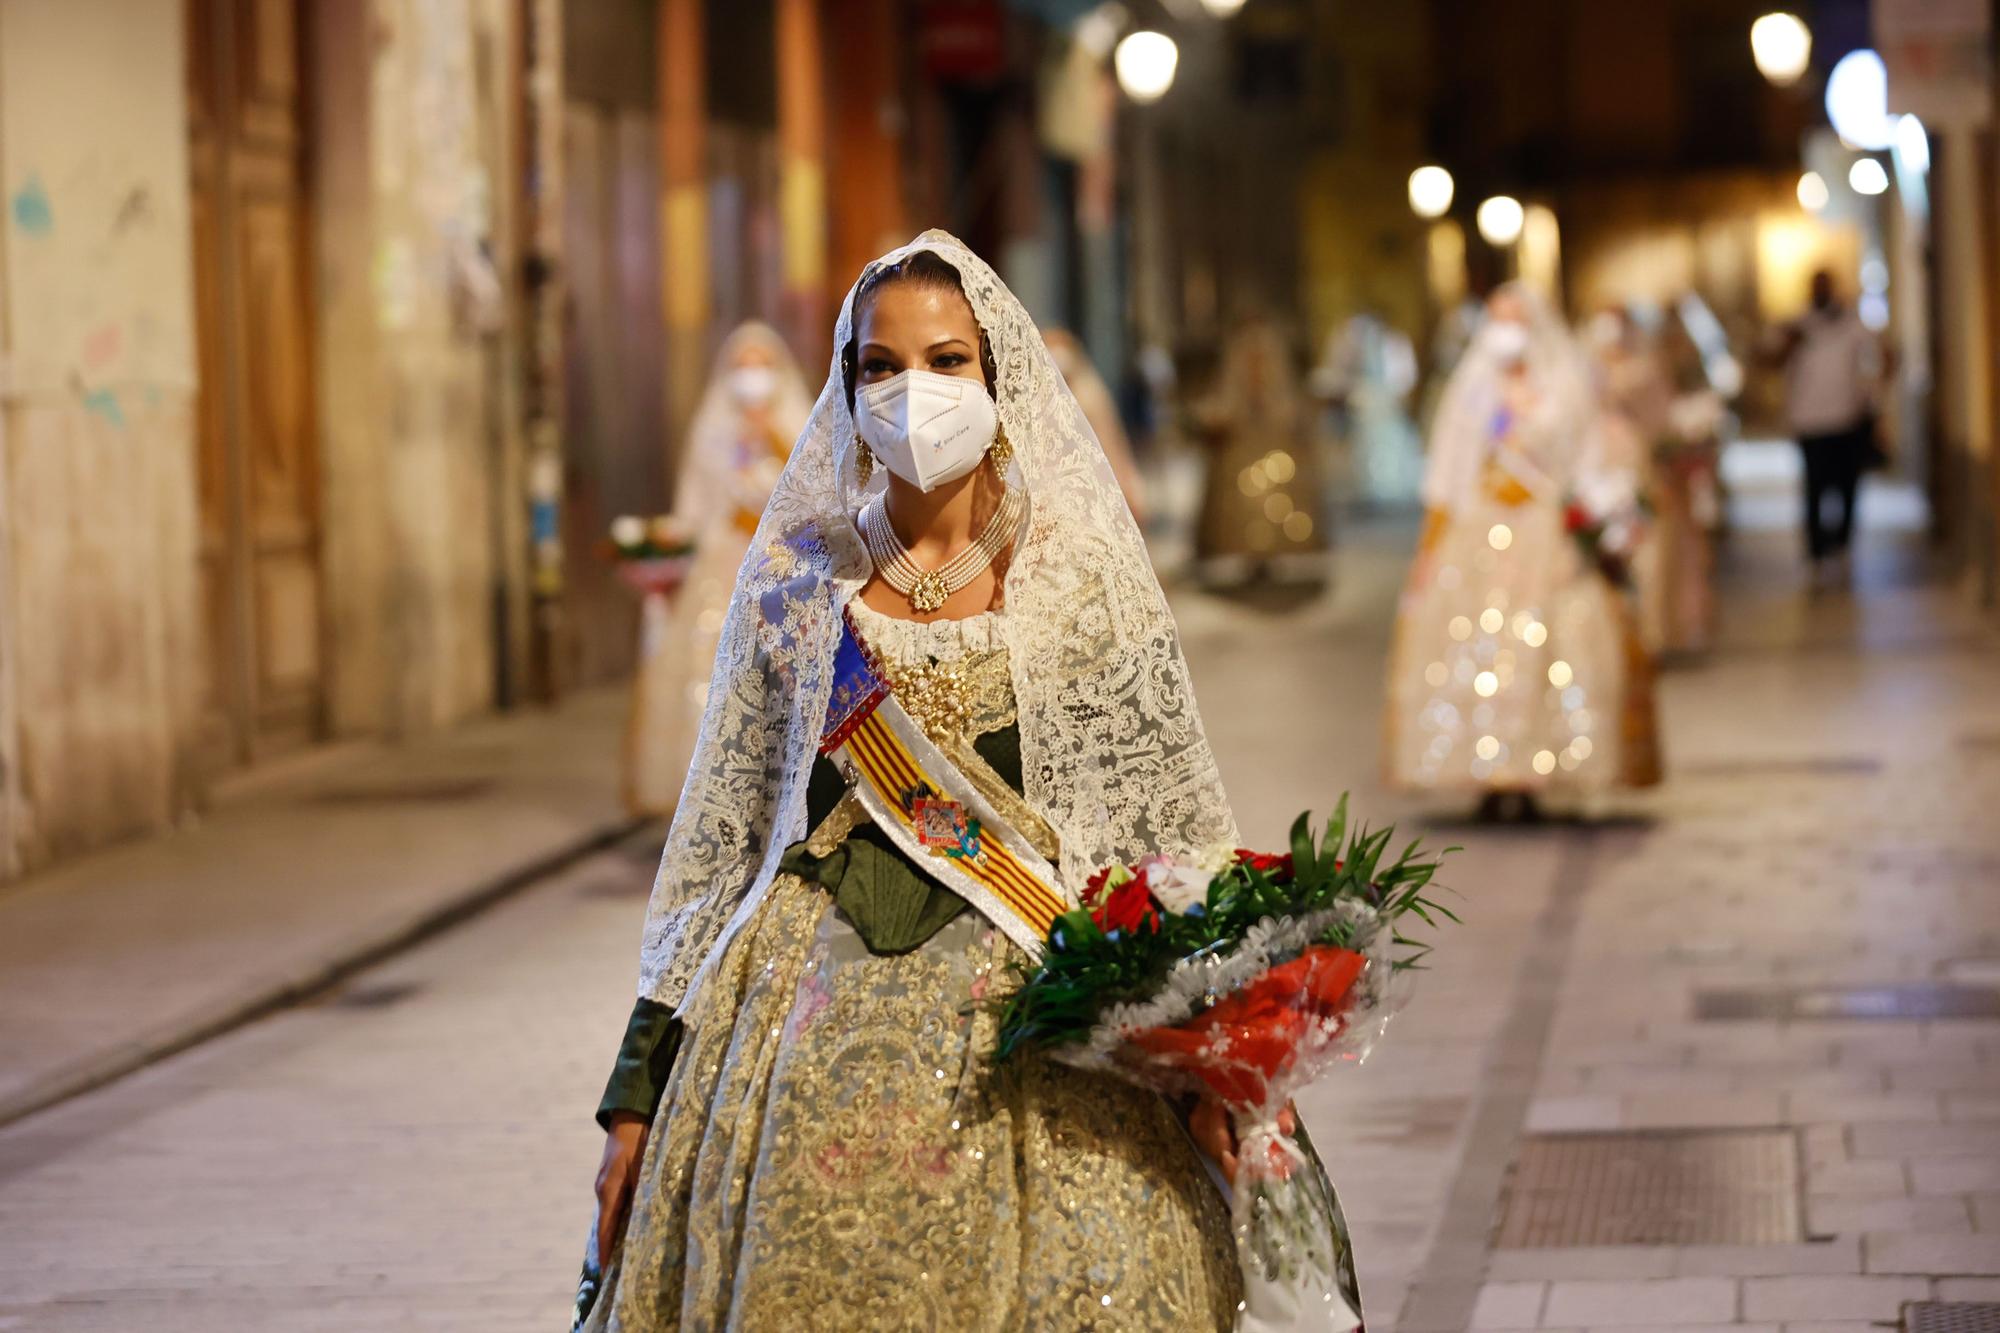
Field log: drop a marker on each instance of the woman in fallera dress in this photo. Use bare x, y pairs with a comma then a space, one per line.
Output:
1516, 670
750, 413
806, 1124
1261, 508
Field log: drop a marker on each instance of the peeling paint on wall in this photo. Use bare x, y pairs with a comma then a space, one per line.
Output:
32, 212
104, 403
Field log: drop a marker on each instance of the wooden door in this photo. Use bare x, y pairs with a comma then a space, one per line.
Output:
260, 520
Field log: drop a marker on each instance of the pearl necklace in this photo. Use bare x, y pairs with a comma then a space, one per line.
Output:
928, 589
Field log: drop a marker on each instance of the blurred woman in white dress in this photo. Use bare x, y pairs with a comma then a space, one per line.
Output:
754, 406
1516, 671
1261, 513
1100, 409
1368, 370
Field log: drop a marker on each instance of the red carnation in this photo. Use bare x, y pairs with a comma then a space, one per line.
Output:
1093, 887
1275, 865
1126, 908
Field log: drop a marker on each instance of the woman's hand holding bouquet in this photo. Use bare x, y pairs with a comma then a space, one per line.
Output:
1238, 980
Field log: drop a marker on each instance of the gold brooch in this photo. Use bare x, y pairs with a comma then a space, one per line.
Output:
935, 696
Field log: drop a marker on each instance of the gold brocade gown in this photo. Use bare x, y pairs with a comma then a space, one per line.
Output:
837, 1149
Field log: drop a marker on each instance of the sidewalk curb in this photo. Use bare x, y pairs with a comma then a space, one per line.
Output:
343, 959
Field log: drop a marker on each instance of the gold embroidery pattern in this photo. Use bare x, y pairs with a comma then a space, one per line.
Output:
965, 697
956, 702
836, 1150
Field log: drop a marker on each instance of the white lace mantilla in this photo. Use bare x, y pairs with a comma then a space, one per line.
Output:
1114, 758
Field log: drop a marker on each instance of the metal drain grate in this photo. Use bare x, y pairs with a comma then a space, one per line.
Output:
1672, 1187
1913, 1000
1821, 766
1952, 1317
399, 791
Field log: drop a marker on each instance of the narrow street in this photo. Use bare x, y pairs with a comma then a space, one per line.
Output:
415, 1150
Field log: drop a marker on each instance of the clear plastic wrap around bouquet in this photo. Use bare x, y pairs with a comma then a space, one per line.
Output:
1243, 978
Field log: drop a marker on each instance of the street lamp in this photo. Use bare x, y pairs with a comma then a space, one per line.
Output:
1430, 191
1913, 146
1857, 101
1812, 192
1867, 177
1782, 47
1500, 219
1145, 62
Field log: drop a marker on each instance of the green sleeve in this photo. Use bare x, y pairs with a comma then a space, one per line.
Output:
645, 1058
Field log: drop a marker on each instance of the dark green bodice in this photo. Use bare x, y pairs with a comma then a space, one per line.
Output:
892, 903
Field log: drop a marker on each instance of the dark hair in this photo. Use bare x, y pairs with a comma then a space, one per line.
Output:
923, 269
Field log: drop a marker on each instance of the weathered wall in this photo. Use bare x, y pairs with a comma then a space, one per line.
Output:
401, 201
99, 654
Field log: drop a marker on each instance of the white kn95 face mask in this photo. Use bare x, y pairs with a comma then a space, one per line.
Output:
753, 386
927, 428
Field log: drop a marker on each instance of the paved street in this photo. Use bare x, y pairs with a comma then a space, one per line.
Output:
415, 1151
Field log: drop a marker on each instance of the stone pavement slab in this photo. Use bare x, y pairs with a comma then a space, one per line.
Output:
109, 961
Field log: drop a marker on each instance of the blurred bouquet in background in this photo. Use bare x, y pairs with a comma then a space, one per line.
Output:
1242, 978
652, 554
1607, 522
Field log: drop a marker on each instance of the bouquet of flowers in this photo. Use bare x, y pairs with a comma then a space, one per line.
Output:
1243, 978
652, 554
1606, 523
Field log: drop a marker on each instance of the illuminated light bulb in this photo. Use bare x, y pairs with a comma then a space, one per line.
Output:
1145, 61
1559, 673
1545, 761
1491, 619
1485, 684
1499, 536
1487, 747
1431, 191
1857, 101
1222, 9
1867, 177
1580, 747
1782, 47
1913, 146
1812, 192
1535, 635
1460, 627
1500, 219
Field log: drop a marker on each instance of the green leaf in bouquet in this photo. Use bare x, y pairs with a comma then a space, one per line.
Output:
1302, 844
1336, 826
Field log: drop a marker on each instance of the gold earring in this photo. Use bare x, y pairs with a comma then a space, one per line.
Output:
864, 461
1002, 450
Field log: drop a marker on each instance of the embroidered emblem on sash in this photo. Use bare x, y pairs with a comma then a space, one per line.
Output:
944, 826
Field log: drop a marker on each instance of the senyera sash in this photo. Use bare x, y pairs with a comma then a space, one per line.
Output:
917, 796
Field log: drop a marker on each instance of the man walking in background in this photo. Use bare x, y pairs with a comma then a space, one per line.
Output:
1831, 362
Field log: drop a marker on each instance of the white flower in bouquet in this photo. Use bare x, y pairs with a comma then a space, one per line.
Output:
1620, 535
628, 530
1604, 495
1177, 887
1695, 418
